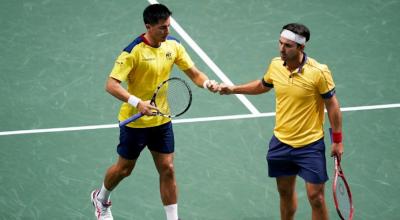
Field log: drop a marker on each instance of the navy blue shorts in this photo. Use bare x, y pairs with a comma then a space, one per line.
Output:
308, 162
133, 140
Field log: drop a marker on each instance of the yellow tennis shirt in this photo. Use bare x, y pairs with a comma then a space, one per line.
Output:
143, 68
299, 100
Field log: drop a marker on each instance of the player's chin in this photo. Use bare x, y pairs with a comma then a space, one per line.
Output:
163, 38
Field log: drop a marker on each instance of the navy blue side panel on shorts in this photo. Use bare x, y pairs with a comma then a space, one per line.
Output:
308, 162
133, 140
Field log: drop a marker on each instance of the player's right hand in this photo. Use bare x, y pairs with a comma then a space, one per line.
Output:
224, 89
212, 86
147, 108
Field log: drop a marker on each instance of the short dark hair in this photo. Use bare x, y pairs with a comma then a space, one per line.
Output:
153, 13
299, 29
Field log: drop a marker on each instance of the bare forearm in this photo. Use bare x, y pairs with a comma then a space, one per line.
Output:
335, 119
199, 79
334, 115
252, 88
196, 76
113, 86
115, 89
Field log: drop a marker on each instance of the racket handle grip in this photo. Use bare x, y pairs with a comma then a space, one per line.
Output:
131, 119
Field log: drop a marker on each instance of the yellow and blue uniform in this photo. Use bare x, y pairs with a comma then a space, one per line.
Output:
299, 100
297, 146
143, 68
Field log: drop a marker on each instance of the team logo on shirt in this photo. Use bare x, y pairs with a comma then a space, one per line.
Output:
168, 55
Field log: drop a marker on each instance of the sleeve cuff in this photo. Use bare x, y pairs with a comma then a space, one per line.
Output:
329, 94
269, 85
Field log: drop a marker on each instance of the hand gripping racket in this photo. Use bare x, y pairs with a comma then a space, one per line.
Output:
341, 191
172, 98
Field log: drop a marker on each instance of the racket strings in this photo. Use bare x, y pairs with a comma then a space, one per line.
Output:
173, 98
343, 198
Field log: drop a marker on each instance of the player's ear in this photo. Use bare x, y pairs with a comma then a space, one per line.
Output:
147, 26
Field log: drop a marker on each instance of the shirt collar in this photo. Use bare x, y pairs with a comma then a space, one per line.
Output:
147, 42
303, 62
144, 39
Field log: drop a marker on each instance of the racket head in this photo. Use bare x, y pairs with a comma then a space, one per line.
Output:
342, 194
172, 98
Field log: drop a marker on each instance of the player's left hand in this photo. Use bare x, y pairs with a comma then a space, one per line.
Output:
225, 89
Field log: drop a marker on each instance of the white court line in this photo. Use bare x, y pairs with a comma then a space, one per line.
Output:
188, 120
208, 61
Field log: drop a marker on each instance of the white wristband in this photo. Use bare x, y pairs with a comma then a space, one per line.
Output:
205, 83
134, 101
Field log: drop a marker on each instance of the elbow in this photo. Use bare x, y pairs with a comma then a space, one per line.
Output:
111, 85
107, 87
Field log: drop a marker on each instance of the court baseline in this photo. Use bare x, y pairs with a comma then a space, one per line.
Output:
188, 120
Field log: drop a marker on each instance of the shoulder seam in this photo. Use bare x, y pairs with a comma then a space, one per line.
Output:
173, 38
318, 67
134, 43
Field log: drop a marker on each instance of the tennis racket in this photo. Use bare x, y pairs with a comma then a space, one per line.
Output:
341, 191
172, 98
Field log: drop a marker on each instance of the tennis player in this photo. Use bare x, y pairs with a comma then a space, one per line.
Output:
143, 65
303, 87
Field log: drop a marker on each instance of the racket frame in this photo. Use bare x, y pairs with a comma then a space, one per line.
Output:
339, 174
153, 98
